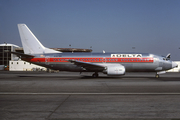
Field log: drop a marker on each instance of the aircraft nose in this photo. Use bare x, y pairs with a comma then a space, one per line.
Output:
174, 65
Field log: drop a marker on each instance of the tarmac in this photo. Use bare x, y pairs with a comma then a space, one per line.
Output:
71, 96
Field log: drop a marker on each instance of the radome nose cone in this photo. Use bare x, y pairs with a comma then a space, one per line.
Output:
174, 65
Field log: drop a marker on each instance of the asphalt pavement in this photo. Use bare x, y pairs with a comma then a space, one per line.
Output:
71, 96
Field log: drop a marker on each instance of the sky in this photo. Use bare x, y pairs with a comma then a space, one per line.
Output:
148, 26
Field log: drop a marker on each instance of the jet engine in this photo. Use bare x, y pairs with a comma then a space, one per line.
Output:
114, 70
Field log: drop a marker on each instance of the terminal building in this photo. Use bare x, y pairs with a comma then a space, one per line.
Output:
4, 56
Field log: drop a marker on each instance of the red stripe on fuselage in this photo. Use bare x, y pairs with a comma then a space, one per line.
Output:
93, 59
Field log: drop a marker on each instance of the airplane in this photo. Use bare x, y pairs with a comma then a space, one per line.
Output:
112, 64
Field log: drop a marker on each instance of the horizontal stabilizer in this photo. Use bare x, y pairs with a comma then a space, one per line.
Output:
22, 55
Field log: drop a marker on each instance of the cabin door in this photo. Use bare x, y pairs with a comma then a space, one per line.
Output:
47, 59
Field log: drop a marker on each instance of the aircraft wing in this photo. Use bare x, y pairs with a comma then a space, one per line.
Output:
88, 66
21, 54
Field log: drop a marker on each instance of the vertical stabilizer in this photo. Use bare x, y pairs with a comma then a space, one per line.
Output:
30, 43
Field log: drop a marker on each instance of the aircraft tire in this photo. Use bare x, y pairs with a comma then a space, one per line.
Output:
157, 75
95, 75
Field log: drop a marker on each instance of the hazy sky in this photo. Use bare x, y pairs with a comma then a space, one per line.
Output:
151, 26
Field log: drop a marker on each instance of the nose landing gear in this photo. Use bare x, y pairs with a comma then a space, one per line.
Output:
157, 75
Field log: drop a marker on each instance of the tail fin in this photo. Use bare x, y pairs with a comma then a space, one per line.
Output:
30, 43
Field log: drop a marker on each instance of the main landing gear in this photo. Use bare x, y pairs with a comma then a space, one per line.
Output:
157, 75
95, 75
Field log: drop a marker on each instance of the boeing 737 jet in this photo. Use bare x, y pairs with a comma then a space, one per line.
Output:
112, 64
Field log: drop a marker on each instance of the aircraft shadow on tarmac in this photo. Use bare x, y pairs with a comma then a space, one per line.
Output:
134, 78
126, 77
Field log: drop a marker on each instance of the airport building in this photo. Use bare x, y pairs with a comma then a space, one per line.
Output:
24, 66
4, 56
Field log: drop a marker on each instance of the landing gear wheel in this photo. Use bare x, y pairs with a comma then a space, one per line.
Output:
95, 75
157, 75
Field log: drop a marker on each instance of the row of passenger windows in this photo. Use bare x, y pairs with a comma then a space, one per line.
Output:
102, 59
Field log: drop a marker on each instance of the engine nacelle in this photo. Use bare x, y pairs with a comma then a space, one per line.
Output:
115, 70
